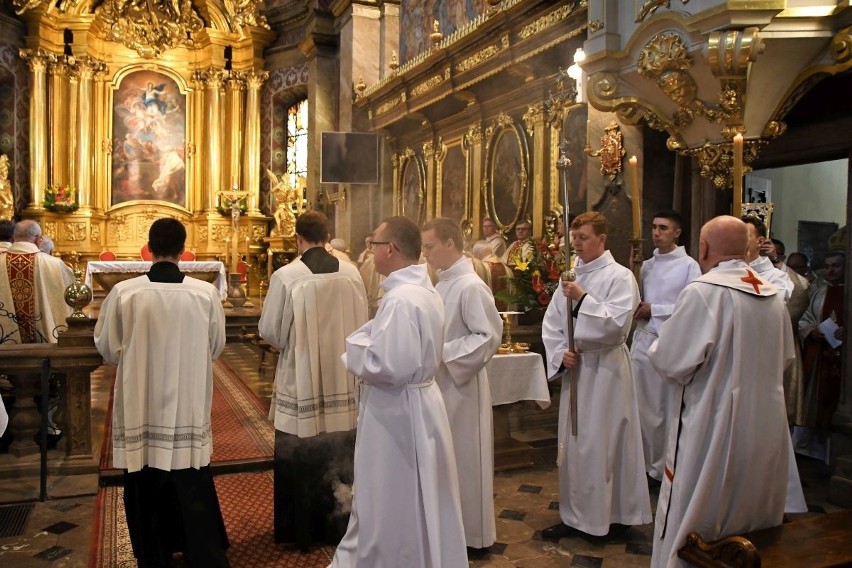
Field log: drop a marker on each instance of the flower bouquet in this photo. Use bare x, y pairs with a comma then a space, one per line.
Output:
60, 199
536, 278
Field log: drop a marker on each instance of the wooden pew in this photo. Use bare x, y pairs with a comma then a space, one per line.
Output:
825, 540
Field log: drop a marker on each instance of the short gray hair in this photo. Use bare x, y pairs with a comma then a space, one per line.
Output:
27, 230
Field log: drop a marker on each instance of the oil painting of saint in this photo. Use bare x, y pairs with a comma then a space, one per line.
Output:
453, 184
508, 178
412, 192
149, 140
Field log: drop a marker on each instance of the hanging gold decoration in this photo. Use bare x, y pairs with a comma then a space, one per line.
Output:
150, 27
244, 14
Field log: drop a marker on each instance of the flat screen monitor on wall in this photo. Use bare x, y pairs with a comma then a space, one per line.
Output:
349, 157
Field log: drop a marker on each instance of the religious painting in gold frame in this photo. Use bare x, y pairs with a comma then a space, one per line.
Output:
507, 172
148, 139
574, 132
452, 173
412, 187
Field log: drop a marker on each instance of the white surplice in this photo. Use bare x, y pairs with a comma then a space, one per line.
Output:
725, 346
162, 405
472, 334
51, 277
313, 392
663, 277
778, 278
405, 506
602, 469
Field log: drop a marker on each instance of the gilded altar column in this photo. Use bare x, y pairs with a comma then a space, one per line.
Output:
84, 71
103, 155
57, 109
535, 125
213, 180
430, 154
251, 155
234, 133
472, 147
37, 60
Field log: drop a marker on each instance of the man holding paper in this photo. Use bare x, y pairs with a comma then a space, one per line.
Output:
822, 356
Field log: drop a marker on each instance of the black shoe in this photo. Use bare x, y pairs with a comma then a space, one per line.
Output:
52, 440
557, 531
477, 553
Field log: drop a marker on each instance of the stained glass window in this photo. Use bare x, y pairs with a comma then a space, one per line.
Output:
297, 142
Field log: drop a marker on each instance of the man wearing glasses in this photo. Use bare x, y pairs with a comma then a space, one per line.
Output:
405, 508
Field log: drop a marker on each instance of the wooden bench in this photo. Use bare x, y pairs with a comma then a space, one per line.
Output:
825, 540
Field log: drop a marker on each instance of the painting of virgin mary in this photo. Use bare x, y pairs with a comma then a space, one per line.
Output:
149, 139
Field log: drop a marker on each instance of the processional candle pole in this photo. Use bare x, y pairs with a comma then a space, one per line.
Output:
737, 210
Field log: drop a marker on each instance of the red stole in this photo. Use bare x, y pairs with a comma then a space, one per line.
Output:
20, 268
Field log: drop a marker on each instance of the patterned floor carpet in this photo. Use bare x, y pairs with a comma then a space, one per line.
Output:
240, 428
246, 501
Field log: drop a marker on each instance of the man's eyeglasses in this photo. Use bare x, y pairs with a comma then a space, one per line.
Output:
374, 243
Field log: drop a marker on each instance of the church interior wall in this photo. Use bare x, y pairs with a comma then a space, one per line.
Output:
807, 192
14, 114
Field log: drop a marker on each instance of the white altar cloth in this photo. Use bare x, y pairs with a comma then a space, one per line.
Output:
518, 376
142, 266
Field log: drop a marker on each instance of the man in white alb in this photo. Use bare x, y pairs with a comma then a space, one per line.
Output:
759, 249
313, 304
472, 332
725, 348
601, 469
163, 331
663, 277
405, 507
493, 237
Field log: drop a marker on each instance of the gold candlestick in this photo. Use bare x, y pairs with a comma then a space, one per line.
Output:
637, 197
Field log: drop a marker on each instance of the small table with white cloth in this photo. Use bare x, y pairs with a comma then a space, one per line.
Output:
514, 377
109, 273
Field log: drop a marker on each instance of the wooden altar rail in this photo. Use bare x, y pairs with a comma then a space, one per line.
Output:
75, 357
817, 542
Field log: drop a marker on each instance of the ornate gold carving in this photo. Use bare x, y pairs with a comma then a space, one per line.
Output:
258, 232
430, 148
774, 129
36, 58
256, 77
546, 21
395, 160
202, 234
96, 232
716, 161
733, 550
220, 233
118, 228
651, 6
151, 27
394, 62
244, 14
75, 231
7, 197
473, 135
50, 229
388, 105
436, 36
22, 6
482, 55
611, 151
533, 116
427, 85
841, 45
595, 26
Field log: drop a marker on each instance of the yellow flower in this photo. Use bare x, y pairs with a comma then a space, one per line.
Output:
522, 264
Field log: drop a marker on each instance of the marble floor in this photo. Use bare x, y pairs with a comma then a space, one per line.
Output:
58, 532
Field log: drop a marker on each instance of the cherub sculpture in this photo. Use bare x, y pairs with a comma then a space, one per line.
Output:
288, 204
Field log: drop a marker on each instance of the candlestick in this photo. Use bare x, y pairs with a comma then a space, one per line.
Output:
637, 198
738, 176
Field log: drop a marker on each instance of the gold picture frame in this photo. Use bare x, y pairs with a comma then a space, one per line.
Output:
452, 195
411, 186
507, 167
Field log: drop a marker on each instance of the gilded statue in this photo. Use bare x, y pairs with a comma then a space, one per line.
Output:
7, 198
288, 204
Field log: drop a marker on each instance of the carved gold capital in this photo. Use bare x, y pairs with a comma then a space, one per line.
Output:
256, 77
36, 58
716, 161
430, 148
533, 116
473, 135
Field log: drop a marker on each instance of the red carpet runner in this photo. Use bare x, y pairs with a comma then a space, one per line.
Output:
246, 501
240, 428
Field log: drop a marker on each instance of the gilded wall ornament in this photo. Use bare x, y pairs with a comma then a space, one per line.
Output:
564, 96
245, 14
611, 151
650, 6
75, 231
22, 6
841, 45
150, 27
